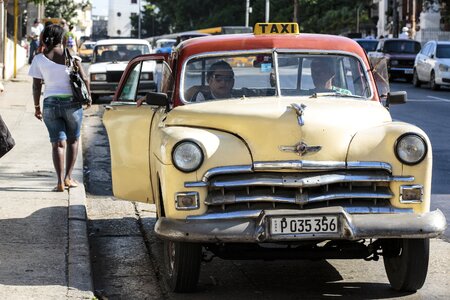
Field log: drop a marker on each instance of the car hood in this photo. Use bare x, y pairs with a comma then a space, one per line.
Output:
268, 125
108, 66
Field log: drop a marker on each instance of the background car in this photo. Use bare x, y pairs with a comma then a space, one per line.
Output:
432, 65
109, 60
368, 44
85, 51
164, 45
400, 54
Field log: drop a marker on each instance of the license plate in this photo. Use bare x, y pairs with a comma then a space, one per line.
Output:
300, 224
408, 71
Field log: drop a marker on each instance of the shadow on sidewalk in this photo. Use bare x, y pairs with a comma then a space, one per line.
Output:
34, 250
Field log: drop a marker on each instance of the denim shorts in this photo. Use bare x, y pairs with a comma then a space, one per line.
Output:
63, 118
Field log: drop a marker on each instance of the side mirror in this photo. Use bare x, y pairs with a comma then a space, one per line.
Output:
157, 99
432, 55
396, 98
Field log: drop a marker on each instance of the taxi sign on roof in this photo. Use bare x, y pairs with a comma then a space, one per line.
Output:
275, 28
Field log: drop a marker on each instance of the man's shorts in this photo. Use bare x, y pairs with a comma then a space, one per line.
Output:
63, 118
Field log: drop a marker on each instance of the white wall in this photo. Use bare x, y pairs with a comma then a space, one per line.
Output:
122, 22
21, 58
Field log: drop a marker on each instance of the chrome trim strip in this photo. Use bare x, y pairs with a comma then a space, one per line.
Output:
300, 199
255, 213
354, 165
320, 165
307, 181
289, 165
226, 170
298, 165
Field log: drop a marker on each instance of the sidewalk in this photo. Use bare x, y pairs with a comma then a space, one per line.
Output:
44, 250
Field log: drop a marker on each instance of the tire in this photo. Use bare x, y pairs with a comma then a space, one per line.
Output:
416, 82
406, 263
434, 86
182, 265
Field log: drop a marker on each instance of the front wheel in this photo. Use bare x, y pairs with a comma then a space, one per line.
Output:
406, 263
182, 265
434, 86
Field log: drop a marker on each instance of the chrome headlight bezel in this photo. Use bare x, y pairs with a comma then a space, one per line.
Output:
401, 157
198, 156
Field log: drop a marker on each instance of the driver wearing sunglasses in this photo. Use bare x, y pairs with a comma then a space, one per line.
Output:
220, 78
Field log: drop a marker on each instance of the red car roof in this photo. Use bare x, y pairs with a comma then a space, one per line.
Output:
301, 41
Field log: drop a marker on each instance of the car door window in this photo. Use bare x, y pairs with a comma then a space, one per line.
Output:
443, 51
130, 87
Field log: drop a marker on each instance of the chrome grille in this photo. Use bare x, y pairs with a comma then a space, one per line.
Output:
332, 183
113, 76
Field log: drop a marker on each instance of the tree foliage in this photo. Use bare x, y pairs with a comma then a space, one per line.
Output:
318, 16
63, 8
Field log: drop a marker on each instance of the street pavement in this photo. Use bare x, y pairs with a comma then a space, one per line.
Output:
44, 250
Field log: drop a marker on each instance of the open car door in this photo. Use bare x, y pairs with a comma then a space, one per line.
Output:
129, 126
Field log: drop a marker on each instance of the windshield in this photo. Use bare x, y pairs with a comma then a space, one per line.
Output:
370, 45
408, 47
255, 75
121, 52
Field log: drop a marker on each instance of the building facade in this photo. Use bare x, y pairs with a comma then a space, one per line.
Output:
119, 13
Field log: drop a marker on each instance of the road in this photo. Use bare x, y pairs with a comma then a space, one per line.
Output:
126, 255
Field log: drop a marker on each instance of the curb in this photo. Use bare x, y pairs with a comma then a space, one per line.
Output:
80, 284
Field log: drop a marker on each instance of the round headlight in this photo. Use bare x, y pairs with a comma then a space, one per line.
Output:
187, 156
410, 148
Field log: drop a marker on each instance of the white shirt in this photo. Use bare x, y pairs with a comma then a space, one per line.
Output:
35, 31
56, 76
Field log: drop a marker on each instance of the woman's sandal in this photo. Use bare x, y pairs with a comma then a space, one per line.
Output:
70, 183
58, 188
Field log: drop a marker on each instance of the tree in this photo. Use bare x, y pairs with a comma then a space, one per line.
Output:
316, 16
62, 8
152, 23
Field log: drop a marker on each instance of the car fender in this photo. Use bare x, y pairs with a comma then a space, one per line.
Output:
219, 148
378, 144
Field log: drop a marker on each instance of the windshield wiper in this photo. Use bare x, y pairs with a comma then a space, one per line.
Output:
335, 94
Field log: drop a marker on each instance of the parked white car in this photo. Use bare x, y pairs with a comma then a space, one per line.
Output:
109, 60
432, 65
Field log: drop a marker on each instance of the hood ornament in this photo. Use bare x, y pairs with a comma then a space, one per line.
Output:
299, 110
301, 149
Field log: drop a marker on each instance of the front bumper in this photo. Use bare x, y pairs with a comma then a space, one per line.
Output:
253, 226
401, 72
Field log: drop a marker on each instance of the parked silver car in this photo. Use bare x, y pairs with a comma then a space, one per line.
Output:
432, 65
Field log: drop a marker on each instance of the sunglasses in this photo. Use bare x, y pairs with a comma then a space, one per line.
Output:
223, 78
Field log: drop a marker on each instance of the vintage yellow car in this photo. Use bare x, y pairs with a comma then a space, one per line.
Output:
284, 165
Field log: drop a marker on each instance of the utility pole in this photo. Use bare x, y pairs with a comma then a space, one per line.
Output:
413, 20
16, 33
247, 12
395, 19
139, 19
267, 10
295, 19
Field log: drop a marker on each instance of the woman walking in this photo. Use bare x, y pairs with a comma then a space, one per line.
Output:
61, 114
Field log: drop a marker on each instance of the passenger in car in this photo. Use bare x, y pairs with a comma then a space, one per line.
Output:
322, 73
220, 78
